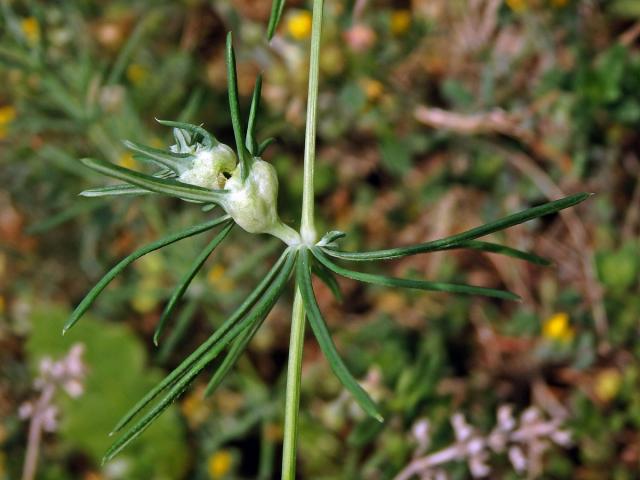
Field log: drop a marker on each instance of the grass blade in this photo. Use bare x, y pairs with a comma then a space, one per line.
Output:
408, 283
202, 349
277, 7
176, 162
88, 300
259, 311
320, 330
234, 105
451, 242
185, 281
158, 185
251, 142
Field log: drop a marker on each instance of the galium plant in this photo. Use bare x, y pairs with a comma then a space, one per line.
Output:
200, 169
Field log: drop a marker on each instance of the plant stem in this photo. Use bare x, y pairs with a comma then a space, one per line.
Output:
292, 397
307, 226
308, 234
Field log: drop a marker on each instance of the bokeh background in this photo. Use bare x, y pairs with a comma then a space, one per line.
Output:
435, 116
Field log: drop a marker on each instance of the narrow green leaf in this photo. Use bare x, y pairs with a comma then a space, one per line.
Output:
251, 142
208, 140
408, 283
234, 106
176, 162
123, 189
185, 281
111, 274
324, 274
502, 250
329, 238
264, 145
209, 343
321, 331
237, 348
259, 311
154, 184
277, 7
452, 241
183, 322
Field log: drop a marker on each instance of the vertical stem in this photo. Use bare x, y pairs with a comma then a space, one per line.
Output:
308, 233
292, 397
307, 226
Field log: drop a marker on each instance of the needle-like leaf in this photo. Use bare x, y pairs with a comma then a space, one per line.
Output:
264, 145
251, 142
159, 185
185, 281
111, 274
324, 274
209, 343
111, 190
208, 140
321, 332
258, 312
452, 241
234, 106
277, 6
502, 250
237, 348
408, 283
176, 162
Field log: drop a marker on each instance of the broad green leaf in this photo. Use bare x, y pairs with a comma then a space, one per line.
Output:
209, 343
251, 142
452, 241
88, 300
234, 106
258, 312
185, 281
277, 7
321, 332
176, 162
154, 184
408, 283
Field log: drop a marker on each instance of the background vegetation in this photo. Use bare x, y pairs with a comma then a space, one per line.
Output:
435, 115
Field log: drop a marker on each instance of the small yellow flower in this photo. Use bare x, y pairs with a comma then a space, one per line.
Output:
216, 277
31, 29
373, 89
126, 160
607, 384
400, 21
7, 115
517, 5
299, 25
136, 73
219, 464
557, 328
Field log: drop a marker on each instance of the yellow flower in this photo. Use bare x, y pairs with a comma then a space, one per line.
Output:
31, 29
216, 277
136, 73
607, 384
373, 89
7, 114
558, 328
299, 25
517, 5
400, 21
219, 464
126, 160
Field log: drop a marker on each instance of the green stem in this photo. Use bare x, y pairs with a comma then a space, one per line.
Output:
307, 226
292, 397
308, 234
